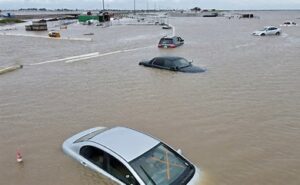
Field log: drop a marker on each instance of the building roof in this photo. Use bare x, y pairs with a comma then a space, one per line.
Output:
127, 143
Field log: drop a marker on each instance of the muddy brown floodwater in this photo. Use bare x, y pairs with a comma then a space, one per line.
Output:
239, 121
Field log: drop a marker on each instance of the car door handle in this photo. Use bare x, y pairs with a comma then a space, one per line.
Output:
83, 163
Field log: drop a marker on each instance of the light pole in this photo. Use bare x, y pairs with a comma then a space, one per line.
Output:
134, 7
147, 6
103, 5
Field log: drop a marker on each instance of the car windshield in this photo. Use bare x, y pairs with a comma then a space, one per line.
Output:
180, 62
264, 29
166, 41
161, 166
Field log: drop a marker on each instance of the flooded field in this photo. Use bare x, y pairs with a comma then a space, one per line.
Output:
239, 121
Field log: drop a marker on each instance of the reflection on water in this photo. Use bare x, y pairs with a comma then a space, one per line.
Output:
206, 179
239, 121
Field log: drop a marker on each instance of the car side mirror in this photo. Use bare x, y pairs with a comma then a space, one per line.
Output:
191, 61
179, 151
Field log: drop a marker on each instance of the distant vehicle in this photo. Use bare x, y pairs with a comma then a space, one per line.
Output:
129, 157
54, 34
8, 15
211, 15
269, 30
249, 16
166, 27
172, 63
170, 42
289, 23
88, 34
162, 24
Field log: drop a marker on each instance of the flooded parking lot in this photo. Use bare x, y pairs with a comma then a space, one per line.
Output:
239, 121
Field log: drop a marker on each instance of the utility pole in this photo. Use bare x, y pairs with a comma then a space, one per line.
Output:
147, 6
103, 5
134, 7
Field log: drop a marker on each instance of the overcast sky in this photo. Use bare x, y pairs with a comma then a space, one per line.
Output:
151, 4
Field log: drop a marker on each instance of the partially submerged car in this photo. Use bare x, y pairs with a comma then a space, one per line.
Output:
166, 27
54, 34
170, 42
129, 157
268, 30
289, 23
172, 63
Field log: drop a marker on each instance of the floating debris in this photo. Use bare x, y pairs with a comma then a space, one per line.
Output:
19, 157
54, 34
88, 34
40, 25
10, 69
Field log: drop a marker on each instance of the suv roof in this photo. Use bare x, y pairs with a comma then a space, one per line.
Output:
167, 37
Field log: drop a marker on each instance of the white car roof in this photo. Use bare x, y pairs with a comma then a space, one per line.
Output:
127, 143
270, 27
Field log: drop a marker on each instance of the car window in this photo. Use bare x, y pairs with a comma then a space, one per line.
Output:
93, 154
120, 171
159, 62
152, 61
108, 163
166, 41
169, 63
180, 62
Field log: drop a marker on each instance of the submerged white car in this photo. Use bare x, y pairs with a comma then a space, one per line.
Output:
289, 23
129, 157
268, 30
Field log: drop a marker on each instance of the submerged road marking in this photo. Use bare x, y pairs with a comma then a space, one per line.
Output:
106, 54
64, 59
45, 37
93, 56
88, 56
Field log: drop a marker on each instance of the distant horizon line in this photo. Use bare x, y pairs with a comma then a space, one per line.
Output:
76, 9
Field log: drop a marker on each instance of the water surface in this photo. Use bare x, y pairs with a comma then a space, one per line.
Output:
239, 121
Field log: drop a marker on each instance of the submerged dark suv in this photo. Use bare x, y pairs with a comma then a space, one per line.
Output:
170, 42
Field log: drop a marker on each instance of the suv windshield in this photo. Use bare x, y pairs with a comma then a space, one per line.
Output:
162, 166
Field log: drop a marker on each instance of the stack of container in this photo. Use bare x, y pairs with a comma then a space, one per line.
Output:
37, 26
